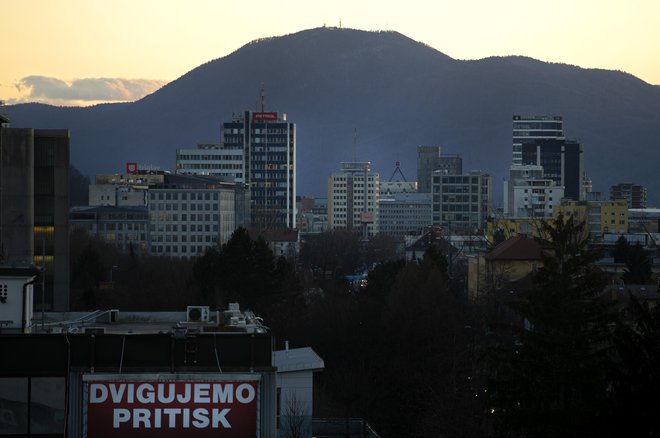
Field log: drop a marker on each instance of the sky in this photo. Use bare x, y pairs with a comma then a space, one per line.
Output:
82, 52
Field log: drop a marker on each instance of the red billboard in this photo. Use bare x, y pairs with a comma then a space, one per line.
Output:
171, 408
264, 116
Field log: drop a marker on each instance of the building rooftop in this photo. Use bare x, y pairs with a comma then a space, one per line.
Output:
516, 248
196, 319
297, 359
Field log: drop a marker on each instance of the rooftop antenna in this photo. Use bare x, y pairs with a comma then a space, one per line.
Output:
398, 170
340, 23
263, 97
355, 145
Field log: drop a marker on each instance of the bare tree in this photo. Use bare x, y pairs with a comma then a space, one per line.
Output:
295, 413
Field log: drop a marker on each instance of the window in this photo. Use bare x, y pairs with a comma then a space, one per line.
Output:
38, 402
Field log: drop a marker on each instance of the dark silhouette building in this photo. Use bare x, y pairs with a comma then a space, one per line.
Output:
429, 160
562, 161
34, 207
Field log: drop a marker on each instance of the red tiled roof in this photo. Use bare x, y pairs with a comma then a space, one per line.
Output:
516, 248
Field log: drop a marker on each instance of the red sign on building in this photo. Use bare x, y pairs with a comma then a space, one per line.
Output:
162, 408
264, 116
132, 168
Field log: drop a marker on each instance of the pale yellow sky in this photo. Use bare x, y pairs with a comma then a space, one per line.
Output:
160, 40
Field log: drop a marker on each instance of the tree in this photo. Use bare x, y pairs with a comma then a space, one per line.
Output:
549, 380
636, 377
638, 266
295, 417
621, 250
241, 270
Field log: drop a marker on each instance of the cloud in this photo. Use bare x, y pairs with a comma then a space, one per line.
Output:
47, 89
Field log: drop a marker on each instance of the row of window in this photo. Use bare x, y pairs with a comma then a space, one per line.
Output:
225, 166
184, 207
169, 238
184, 218
175, 249
175, 196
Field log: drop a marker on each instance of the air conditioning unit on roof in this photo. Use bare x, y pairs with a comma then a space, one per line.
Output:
198, 314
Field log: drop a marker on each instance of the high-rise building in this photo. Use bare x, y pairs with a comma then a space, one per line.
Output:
34, 207
461, 202
353, 194
562, 162
634, 194
528, 129
429, 160
268, 144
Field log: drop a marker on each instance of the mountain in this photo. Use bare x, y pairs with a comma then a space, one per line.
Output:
395, 92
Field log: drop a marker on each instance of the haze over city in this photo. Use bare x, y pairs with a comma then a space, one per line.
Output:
304, 219
82, 52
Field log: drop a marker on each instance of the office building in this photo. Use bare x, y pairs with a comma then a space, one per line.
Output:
353, 194
634, 194
461, 203
404, 214
528, 129
34, 207
429, 160
224, 160
125, 227
562, 162
268, 144
527, 193
188, 214
111, 377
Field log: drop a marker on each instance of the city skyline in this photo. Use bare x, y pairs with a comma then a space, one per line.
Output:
80, 52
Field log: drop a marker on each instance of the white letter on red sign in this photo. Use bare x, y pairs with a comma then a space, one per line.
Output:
219, 417
149, 398
223, 393
202, 393
186, 397
171, 414
120, 416
117, 391
201, 418
98, 393
250, 393
141, 416
161, 393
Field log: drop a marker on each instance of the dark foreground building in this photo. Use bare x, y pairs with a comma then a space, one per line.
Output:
106, 374
34, 207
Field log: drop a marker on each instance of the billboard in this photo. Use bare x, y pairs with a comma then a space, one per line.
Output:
132, 168
264, 116
367, 217
171, 408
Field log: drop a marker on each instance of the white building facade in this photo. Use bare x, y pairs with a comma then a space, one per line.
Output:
353, 195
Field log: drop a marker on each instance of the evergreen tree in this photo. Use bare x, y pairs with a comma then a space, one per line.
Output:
638, 266
550, 380
636, 378
621, 250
